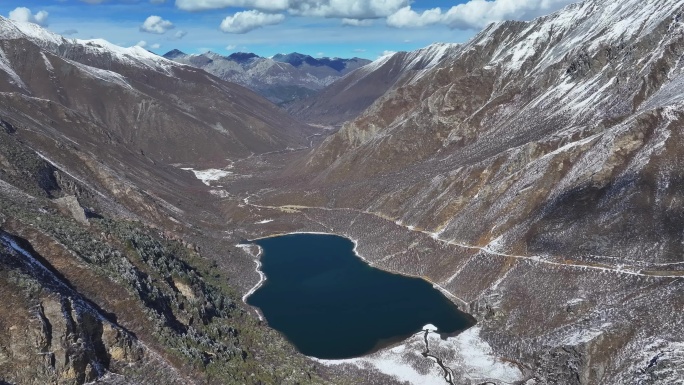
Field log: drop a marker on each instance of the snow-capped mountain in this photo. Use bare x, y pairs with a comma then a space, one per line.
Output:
281, 79
133, 92
347, 97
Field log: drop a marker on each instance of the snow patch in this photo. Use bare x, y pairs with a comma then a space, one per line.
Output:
473, 360
583, 336
48, 65
478, 358
103, 75
6, 67
220, 193
209, 175
430, 327
575, 301
262, 277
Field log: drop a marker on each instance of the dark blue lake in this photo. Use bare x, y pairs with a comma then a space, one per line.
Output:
331, 304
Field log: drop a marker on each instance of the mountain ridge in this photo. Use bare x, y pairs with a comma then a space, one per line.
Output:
282, 79
348, 96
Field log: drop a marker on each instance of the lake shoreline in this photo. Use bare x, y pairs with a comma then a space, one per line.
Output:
462, 304
308, 278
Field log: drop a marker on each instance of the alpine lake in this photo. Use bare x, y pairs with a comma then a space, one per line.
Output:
330, 304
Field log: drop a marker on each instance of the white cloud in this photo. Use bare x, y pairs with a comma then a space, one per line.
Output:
243, 22
155, 24
320, 54
141, 44
475, 14
357, 22
359, 50
351, 9
387, 52
24, 14
180, 34
264, 5
155, 46
230, 47
406, 17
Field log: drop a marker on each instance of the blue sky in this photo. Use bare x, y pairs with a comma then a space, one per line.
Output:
335, 28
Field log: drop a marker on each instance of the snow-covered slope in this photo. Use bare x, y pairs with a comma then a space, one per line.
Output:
139, 97
10, 29
591, 25
413, 63
347, 97
135, 56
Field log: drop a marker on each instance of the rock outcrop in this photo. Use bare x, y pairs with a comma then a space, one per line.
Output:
71, 205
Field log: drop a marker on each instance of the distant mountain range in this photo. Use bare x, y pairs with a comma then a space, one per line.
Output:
282, 79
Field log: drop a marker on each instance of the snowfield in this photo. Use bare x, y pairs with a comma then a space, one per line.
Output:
469, 358
209, 175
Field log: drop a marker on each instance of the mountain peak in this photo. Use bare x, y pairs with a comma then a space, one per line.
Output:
294, 58
174, 53
298, 59
242, 57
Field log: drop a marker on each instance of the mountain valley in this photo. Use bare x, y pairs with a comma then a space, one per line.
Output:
532, 175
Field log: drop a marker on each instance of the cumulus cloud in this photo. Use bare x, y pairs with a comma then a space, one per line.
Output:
351, 9
155, 24
146, 45
263, 5
406, 17
243, 22
475, 14
357, 22
180, 34
24, 14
